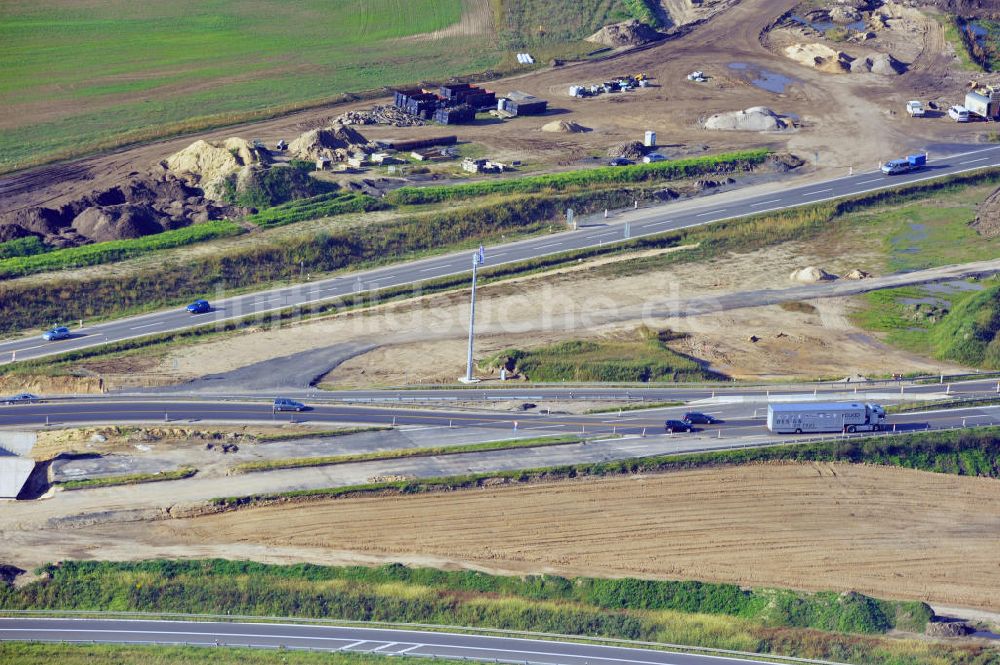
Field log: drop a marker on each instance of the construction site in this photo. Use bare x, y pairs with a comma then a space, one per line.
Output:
697, 213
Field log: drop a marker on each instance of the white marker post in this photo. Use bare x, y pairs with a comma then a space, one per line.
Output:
477, 259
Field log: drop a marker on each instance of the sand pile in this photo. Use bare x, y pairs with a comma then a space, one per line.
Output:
810, 275
212, 163
820, 56
336, 143
626, 33
754, 119
857, 274
564, 127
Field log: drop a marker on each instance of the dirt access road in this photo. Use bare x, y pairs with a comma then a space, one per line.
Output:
884, 531
831, 108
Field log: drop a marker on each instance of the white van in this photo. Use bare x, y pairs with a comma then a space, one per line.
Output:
959, 113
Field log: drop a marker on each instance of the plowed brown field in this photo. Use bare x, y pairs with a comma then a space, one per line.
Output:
884, 531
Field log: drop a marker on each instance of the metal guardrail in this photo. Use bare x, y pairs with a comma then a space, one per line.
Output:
440, 628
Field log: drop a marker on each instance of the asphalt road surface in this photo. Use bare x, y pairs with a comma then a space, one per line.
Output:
741, 420
640, 223
375, 641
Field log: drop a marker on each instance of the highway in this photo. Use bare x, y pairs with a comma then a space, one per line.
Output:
741, 419
376, 641
646, 222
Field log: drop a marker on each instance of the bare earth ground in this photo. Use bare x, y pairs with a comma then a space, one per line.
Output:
424, 341
889, 532
831, 107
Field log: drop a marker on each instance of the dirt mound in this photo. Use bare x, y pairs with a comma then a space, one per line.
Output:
755, 119
857, 274
784, 161
987, 222
811, 274
211, 163
820, 56
336, 143
948, 629
628, 150
564, 127
137, 207
626, 33
881, 63
101, 224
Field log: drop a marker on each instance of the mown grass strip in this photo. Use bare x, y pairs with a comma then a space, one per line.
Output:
606, 175
400, 453
116, 250
40, 653
973, 452
130, 479
641, 406
323, 434
910, 407
323, 205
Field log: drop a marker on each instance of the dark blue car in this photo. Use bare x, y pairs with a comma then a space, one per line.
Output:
199, 307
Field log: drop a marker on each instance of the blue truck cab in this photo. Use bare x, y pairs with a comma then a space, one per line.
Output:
905, 165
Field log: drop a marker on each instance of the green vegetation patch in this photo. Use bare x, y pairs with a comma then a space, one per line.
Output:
981, 39
623, 608
315, 207
130, 479
39, 653
114, 250
644, 359
90, 72
299, 462
970, 333
605, 175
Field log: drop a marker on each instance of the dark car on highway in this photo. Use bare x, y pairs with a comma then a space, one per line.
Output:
697, 418
199, 307
59, 332
677, 426
22, 398
283, 404
620, 161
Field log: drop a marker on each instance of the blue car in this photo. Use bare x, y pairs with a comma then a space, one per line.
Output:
199, 307
59, 332
285, 404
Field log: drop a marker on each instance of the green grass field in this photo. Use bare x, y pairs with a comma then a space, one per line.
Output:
84, 76
79, 75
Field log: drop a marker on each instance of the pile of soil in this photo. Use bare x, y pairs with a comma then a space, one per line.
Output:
820, 56
948, 629
628, 150
626, 33
857, 274
783, 162
336, 143
811, 275
881, 63
754, 119
987, 222
141, 206
210, 164
565, 127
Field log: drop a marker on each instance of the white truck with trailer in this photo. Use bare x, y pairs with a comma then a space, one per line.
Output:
810, 417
